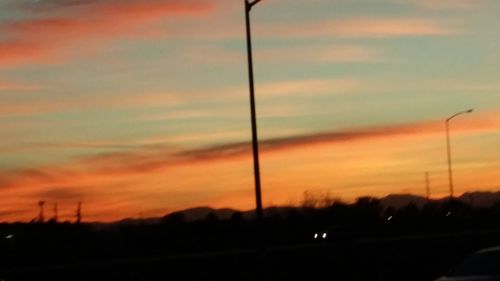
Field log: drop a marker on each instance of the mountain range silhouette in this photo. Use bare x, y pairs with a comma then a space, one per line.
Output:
477, 199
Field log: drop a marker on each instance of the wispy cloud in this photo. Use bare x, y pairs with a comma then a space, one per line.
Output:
328, 54
362, 27
67, 104
6, 86
57, 26
310, 87
484, 123
321, 54
304, 87
27, 108
442, 4
153, 158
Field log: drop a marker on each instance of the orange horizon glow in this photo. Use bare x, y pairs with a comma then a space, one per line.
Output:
347, 165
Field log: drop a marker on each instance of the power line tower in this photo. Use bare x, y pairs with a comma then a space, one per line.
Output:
56, 213
41, 218
79, 212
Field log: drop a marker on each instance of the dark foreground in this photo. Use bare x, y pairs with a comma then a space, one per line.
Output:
364, 242
404, 258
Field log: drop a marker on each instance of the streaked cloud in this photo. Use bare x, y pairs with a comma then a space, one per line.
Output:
329, 54
442, 4
60, 26
14, 52
34, 106
323, 54
362, 27
27, 108
151, 158
310, 87
7, 86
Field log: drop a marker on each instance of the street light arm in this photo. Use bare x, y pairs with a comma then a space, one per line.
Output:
459, 113
251, 4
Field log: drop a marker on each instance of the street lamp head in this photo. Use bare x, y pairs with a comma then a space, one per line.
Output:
459, 113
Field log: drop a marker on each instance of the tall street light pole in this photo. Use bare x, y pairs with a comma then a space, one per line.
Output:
450, 173
255, 141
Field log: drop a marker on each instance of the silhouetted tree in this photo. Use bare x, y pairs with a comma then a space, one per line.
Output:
236, 217
340, 212
455, 208
368, 209
211, 218
431, 210
408, 212
309, 200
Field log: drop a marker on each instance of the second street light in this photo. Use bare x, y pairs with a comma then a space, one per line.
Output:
255, 141
450, 174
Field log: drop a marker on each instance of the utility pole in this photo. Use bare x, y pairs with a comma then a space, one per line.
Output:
427, 186
255, 141
448, 148
79, 212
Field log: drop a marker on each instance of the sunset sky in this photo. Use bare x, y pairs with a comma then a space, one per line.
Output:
140, 107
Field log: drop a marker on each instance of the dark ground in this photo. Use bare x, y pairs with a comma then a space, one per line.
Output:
417, 258
414, 245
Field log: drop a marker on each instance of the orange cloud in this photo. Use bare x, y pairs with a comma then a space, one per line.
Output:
126, 100
308, 87
149, 158
15, 86
58, 27
17, 109
18, 52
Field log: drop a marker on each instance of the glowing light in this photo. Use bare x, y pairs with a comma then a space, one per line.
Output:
324, 235
315, 235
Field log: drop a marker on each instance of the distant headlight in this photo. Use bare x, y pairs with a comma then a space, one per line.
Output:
324, 235
316, 235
